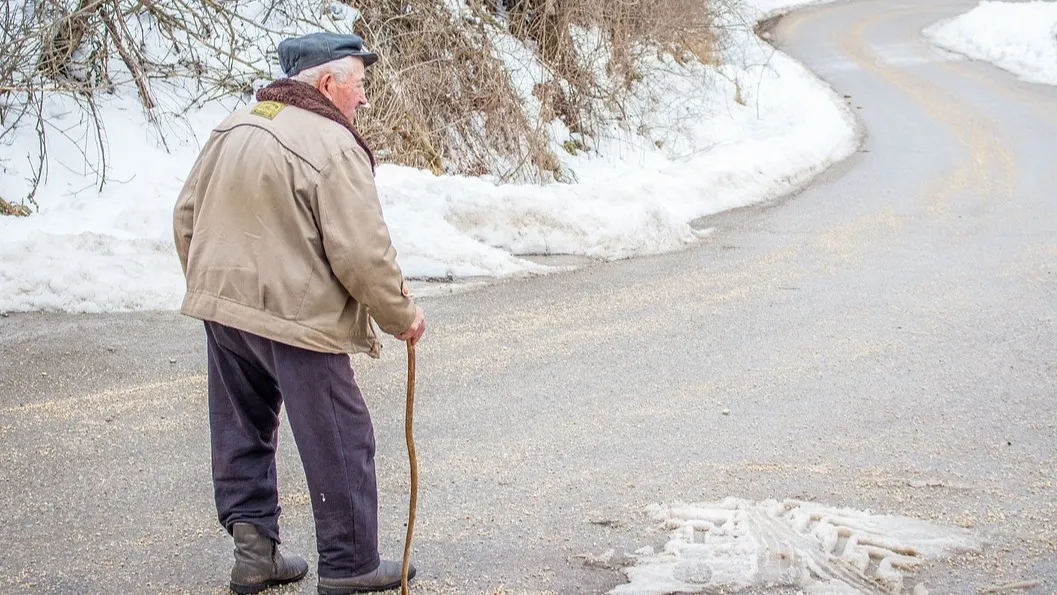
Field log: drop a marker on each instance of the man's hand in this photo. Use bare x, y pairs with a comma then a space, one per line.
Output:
417, 328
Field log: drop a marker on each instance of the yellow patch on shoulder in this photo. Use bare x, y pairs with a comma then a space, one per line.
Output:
268, 109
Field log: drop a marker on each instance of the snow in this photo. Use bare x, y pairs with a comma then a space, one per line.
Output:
1018, 37
735, 544
769, 8
713, 139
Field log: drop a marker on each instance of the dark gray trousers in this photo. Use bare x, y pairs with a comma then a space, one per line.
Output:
250, 378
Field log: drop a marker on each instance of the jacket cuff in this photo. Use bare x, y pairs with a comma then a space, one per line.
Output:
403, 314
402, 321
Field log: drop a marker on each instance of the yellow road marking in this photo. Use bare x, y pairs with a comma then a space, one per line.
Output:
973, 129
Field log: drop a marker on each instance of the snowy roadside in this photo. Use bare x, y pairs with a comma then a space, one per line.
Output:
1019, 37
731, 136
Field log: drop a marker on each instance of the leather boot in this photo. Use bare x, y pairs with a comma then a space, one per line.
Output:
258, 562
383, 578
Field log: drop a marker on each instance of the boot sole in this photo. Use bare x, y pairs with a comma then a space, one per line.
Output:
321, 590
258, 587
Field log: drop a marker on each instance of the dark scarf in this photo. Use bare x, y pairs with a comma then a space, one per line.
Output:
307, 97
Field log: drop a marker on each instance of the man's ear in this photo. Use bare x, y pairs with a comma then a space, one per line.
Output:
324, 85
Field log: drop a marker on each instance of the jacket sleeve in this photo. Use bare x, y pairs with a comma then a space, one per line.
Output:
357, 242
183, 218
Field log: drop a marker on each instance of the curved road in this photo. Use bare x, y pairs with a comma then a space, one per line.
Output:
886, 340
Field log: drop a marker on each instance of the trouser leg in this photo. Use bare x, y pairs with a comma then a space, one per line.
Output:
332, 427
244, 404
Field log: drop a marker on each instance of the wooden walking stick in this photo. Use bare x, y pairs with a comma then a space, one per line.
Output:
409, 415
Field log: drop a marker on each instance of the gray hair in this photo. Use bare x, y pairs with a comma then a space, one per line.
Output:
340, 69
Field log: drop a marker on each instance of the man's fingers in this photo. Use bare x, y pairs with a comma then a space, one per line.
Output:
417, 329
413, 334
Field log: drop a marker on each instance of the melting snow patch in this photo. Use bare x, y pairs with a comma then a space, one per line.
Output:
737, 544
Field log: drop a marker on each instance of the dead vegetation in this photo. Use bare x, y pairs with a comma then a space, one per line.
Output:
443, 96
85, 51
14, 210
597, 51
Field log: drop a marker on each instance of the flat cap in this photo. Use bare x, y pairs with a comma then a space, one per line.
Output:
301, 53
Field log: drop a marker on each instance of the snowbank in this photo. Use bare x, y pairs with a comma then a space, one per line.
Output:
1018, 37
769, 8
728, 136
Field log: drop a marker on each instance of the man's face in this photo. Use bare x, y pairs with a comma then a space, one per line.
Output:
348, 93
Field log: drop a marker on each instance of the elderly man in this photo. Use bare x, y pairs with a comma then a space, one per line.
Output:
287, 259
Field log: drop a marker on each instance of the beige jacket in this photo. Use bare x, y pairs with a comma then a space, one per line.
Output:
280, 233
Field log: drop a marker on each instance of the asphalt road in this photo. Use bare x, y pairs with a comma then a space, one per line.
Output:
886, 340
